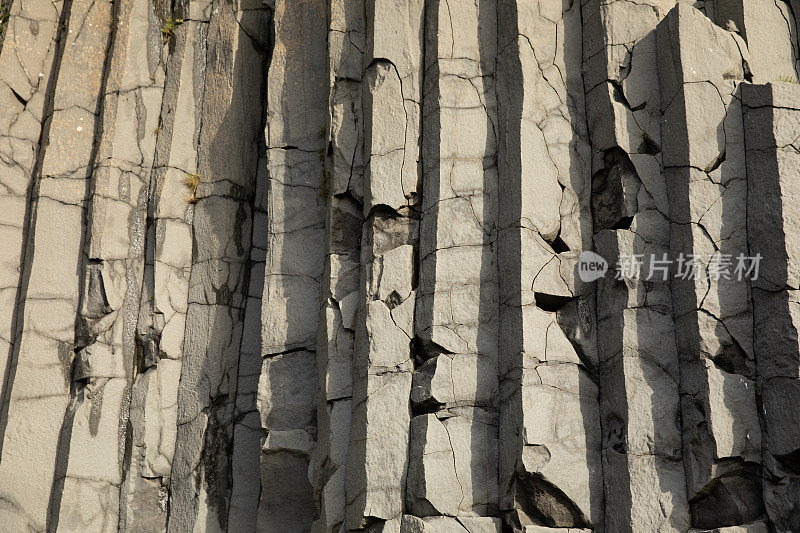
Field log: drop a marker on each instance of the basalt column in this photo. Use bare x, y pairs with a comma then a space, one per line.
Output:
344, 195
26, 97
643, 474
771, 130
227, 135
705, 177
383, 313
550, 464
453, 465
297, 108
40, 395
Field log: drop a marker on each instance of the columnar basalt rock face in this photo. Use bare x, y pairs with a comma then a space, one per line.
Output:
320, 266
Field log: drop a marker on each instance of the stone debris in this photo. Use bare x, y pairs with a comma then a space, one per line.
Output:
316, 266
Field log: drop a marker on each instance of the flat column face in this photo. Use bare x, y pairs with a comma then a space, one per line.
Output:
770, 29
296, 111
453, 464
770, 125
342, 266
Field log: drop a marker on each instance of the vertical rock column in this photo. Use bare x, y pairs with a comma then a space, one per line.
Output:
550, 471
39, 389
26, 78
165, 290
454, 432
382, 366
227, 160
645, 486
771, 118
248, 433
344, 190
700, 65
297, 100
113, 269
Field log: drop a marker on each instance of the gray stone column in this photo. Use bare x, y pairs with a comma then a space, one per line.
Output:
550, 465
383, 312
453, 448
771, 129
26, 95
40, 394
297, 100
705, 177
769, 27
637, 360
344, 191
108, 362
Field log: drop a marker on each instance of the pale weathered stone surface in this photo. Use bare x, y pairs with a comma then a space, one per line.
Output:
26, 55
321, 266
227, 154
453, 465
297, 92
344, 193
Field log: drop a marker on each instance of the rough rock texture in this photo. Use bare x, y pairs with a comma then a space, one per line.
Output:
315, 266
